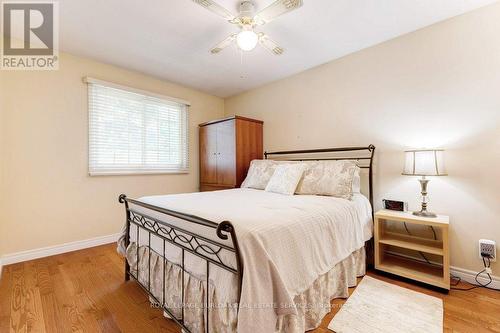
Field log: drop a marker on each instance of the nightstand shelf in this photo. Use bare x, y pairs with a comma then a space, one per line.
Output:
414, 270
437, 275
412, 243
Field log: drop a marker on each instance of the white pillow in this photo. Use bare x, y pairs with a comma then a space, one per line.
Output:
285, 179
356, 181
333, 178
259, 173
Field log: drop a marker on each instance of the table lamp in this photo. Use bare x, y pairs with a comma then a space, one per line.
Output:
424, 162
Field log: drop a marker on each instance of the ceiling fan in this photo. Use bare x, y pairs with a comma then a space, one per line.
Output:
247, 39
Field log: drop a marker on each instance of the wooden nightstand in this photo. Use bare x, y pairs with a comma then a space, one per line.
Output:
415, 270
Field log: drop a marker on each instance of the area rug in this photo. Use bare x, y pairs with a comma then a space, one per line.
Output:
379, 307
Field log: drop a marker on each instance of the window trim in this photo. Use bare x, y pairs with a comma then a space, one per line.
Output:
137, 173
90, 80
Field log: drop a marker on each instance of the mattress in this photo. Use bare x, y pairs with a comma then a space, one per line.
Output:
286, 244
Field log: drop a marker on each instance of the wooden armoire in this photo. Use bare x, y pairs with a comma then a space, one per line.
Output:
226, 148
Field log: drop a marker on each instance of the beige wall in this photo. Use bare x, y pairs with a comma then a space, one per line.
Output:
2, 130
47, 196
437, 87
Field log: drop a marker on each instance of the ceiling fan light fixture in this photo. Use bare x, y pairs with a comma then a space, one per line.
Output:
247, 40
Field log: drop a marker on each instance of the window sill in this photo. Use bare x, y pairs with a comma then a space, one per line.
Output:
137, 173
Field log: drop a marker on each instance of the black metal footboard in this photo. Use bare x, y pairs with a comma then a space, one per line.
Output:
179, 235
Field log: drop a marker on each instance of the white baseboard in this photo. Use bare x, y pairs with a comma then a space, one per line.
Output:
469, 276
56, 249
464, 274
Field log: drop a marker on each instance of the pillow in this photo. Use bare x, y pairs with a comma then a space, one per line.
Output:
285, 179
333, 178
356, 180
259, 173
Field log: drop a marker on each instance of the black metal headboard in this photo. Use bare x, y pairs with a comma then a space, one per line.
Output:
364, 156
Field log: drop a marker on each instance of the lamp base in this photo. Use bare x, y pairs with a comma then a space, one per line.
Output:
425, 213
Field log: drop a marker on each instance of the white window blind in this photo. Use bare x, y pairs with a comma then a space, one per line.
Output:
131, 131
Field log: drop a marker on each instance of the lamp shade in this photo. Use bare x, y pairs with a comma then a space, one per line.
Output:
426, 162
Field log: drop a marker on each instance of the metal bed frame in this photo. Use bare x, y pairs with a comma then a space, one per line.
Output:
364, 158
210, 249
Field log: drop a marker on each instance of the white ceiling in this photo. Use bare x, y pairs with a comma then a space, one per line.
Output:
170, 39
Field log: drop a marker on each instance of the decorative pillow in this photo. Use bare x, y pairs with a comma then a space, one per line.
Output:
333, 178
285, 179
259, 173
356, 180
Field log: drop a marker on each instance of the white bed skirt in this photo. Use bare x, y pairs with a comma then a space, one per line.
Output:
312, 304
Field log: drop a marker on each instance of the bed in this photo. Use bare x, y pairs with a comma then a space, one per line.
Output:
249, 260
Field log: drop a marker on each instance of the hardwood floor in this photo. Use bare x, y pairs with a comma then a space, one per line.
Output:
84, 291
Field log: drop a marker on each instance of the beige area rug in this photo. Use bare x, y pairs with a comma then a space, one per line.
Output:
379, 307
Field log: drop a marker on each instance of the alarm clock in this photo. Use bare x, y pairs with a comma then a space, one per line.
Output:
400, 206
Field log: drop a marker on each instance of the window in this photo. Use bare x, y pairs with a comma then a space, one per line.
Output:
132, 131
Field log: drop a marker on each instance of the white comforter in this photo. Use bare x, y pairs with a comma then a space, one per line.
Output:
286, 242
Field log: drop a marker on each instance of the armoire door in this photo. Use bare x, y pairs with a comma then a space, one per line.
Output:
226, 153
208, 154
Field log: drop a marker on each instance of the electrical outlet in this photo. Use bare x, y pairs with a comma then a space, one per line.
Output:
488, 247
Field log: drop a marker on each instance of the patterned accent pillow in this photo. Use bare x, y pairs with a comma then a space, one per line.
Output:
285, 179
259, 174
333, 178
356, 181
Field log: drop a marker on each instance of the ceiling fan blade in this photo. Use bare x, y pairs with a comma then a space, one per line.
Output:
270, 44
222, 45
276, 9
216, 9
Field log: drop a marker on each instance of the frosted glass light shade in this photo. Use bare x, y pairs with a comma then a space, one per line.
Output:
429, 162
247, 40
